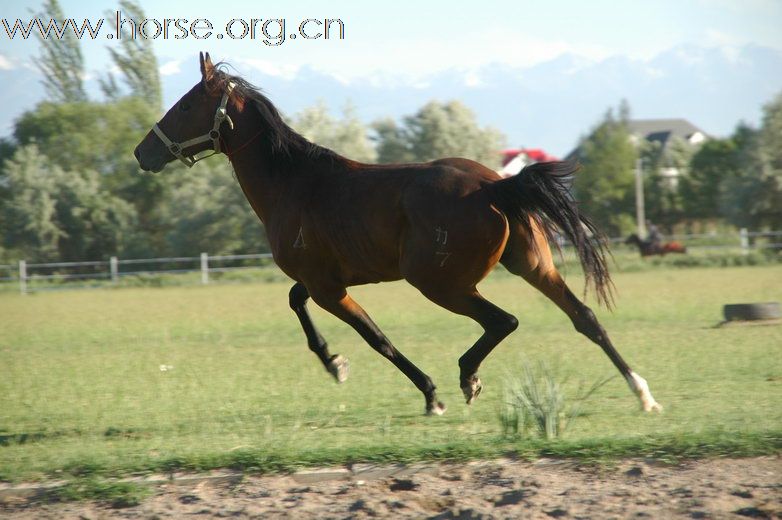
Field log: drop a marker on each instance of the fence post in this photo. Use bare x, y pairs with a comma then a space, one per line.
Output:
204, 268
22, 276
640, 211
744, 237
114, 268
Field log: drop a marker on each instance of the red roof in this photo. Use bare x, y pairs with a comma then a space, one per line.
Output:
536, 154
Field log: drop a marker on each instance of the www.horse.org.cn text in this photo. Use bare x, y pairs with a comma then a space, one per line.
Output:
272, 31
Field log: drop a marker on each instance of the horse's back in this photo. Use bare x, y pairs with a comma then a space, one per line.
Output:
430, 223
452, 236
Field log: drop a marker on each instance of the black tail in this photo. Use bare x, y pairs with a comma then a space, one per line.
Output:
541, 192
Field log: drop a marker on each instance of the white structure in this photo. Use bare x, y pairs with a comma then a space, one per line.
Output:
514, 159
664, 132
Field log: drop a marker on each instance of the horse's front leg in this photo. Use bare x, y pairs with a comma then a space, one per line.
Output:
336, 365
336, 301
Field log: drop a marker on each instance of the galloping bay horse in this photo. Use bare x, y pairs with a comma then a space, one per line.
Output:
648, 248
333, 223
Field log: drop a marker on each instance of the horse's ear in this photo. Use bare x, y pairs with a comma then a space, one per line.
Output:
207, 69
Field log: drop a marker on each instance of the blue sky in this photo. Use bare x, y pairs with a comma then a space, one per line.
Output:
411, 39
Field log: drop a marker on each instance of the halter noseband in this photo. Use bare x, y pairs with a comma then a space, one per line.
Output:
221, 115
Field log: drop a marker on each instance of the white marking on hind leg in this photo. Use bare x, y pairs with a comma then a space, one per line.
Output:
339, 367
641, 388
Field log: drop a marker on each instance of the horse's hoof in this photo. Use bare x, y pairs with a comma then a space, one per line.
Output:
471, 388
437, 408
339, 367
641, 388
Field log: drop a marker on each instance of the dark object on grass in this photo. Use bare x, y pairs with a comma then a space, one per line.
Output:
752, 311
402, 485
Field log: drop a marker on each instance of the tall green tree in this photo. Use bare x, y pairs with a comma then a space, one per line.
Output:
771, 132
135, 60
703, 188
96, 223
391, 142
207, 211
54, 214
771, 147
664, 204
753, 198
605, 184
450, 129
347, 136
61, 61
100, 137
436, 131
742, 194
28, 212
86, 134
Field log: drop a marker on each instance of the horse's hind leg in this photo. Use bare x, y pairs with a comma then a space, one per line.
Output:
496, 323
337, 302
336, 364
547, 280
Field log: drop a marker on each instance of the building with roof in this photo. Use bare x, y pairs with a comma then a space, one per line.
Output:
664, 130
663, 133
514, 159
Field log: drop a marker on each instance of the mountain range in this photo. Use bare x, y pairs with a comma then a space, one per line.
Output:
549, 105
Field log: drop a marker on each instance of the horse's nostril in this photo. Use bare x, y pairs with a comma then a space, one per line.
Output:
135, 153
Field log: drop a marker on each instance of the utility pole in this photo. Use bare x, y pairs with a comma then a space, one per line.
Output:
640, 215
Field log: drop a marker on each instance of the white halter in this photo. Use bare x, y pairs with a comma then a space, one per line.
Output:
213, 135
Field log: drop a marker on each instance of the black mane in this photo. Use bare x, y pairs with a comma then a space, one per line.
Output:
284, 142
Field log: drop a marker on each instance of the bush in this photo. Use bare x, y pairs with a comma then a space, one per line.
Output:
535, 402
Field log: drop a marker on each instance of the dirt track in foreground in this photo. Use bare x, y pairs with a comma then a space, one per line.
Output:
725, 488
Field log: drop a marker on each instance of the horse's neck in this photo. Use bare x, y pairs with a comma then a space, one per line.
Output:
275, 183
272, 188
256, 182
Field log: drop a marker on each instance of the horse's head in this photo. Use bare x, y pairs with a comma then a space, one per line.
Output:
633, 239
192, 125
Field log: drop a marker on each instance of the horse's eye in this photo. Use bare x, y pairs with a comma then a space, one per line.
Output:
184, 106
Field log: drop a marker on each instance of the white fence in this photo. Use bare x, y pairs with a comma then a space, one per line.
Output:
28, 275
42, 276
745, 240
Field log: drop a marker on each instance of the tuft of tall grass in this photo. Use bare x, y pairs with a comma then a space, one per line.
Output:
535, 402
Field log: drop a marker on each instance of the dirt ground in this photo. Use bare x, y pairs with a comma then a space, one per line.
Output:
725, 488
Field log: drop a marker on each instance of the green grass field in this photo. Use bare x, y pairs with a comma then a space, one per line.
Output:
82, 391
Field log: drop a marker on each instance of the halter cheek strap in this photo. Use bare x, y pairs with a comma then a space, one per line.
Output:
221, 116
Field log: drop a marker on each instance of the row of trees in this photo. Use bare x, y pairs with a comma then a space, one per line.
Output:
735, 180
